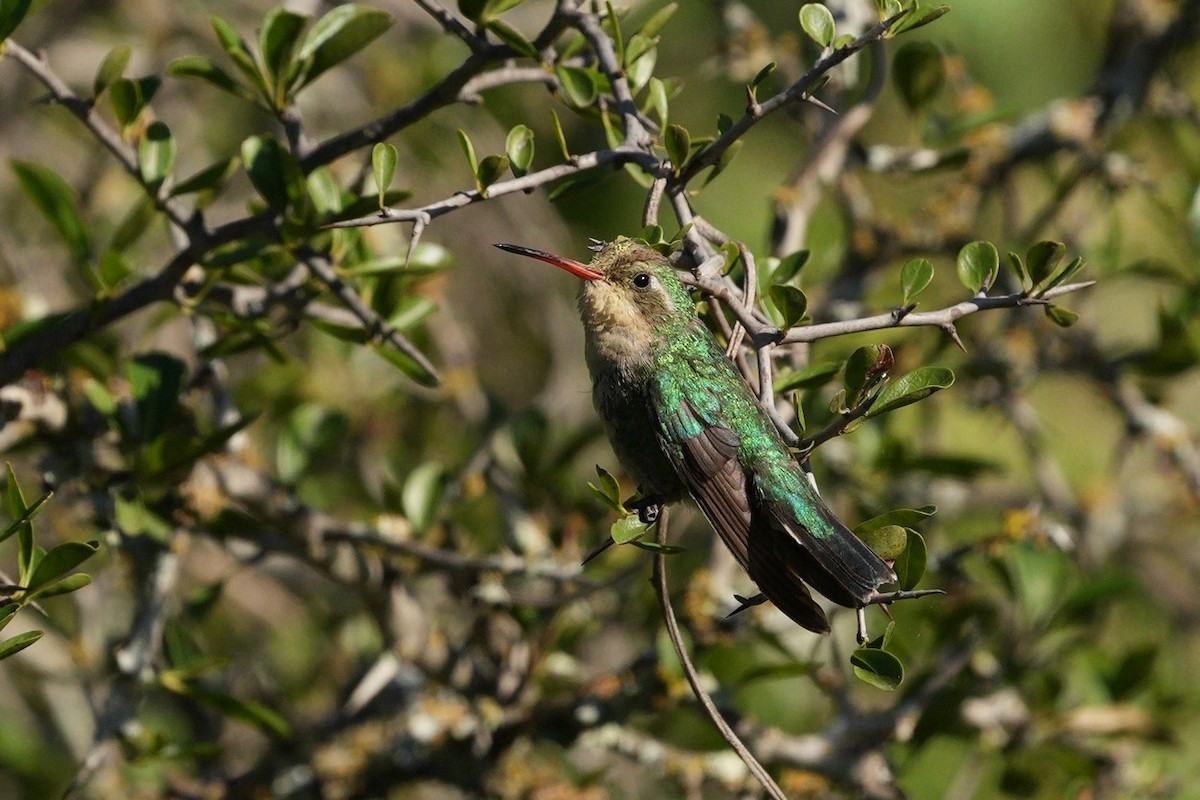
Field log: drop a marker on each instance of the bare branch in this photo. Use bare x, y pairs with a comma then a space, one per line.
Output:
944, 318
693, 679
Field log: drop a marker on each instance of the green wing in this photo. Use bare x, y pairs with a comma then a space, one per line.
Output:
745, 481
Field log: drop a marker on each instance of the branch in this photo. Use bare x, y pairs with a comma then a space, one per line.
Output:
944, 318
84, 111
798, 91
376, 325
582, 163
710, 708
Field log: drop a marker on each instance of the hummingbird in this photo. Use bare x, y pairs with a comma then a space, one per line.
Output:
683, 423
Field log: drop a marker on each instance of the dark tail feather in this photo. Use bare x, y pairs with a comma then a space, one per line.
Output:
780, 581
824, 552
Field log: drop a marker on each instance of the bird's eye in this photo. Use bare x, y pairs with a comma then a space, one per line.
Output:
641, 280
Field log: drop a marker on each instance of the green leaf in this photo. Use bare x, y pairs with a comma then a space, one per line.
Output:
1060, 316
58, 203
383, 165
978, 263
468, 149
915, 275
156, 380
239, 53
7, 611
808, 377
513, 38
1064, 274
916, 385
791, 303
313, 432
608, 484
605, 500
11, 14
519, 148
490, 170
918, 72
494, 8
271, 170
559, 135
910, 565
405, 364
865, 368
277, 37
657, 100
1018, 266
580, 85
762, 75
71, 583
919, 17
879, 668
628, 529
642, 61
657, 20
248, 711
338, 35
209, 179
790, 266
423, 493
817, 21
111, 68
905, 517
21, 521
60, 560
18, 643
156, 154
130, 96
888, 541
1042, 258
205, 69
678, 142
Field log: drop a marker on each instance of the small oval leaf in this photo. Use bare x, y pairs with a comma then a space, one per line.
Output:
916, 385
978, 263
910, 565
817, 21
915, 275
628, 529
383, 166
18, 643
678, 142
879, 668
791, 303
581, 86
156, 154
518, 146
888, 541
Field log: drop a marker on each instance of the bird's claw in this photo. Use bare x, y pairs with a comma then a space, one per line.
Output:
648, 508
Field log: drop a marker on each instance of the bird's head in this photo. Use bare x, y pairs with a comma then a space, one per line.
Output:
631, 298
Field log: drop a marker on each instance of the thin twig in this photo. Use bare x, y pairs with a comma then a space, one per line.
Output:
693, 679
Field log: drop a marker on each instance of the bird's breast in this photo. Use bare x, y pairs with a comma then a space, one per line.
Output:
623, 402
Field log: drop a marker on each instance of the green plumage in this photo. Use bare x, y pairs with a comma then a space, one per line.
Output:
684, 423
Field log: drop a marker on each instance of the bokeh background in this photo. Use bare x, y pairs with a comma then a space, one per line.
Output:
1064, 462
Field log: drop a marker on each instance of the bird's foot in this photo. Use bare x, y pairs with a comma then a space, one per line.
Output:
648, 508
